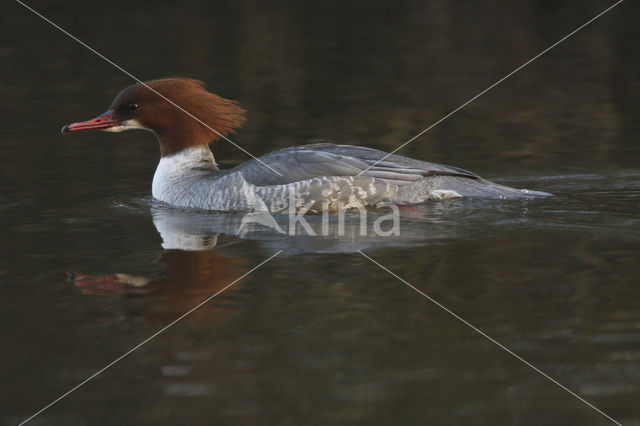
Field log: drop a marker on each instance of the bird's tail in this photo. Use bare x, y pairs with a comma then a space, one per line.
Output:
455, 187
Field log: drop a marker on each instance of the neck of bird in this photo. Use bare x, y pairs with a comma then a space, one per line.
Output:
177, 138
188, 162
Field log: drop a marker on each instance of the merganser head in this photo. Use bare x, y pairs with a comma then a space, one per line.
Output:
138, 107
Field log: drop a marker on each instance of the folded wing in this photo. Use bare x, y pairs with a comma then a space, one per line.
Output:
323, 160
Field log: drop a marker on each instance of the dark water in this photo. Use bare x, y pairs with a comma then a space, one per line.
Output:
91, 265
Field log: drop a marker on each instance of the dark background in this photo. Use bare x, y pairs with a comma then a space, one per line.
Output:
327, 338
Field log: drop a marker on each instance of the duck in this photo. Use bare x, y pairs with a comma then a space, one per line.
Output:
186, 118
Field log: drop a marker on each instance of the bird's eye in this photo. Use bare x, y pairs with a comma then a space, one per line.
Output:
132, 106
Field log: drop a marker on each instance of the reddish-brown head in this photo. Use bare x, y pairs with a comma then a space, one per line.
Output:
139, 107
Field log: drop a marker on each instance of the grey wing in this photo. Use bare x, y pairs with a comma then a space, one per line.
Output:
322, 160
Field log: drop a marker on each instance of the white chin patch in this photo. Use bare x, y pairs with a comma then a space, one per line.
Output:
125, 125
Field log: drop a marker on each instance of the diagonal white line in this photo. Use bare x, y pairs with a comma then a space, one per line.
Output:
493, 85
147, 339
147, 86
500, 345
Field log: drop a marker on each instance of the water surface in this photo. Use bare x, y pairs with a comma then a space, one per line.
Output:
91, 265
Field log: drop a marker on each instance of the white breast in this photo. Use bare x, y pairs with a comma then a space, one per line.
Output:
180, 167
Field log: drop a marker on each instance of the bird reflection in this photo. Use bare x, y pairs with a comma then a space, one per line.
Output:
417, 226
189, 277
194, 267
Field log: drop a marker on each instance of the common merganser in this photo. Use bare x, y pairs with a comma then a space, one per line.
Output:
316, 175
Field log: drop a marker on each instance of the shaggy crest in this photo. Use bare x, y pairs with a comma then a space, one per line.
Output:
175, 129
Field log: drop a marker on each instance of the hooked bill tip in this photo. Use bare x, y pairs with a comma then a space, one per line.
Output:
65, 129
